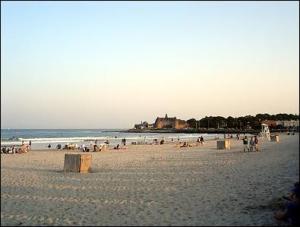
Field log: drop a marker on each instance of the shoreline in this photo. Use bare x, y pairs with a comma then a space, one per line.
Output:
139, 141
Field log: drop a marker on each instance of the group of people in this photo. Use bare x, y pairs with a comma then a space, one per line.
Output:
251, 145
24, 148
93, 147
291, 209
155, 141
186, 144
118, 145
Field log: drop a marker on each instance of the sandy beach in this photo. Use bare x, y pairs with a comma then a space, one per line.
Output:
151, 185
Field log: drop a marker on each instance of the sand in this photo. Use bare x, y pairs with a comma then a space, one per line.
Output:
151, 185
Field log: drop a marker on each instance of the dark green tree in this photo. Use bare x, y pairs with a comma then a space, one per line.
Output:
192, 123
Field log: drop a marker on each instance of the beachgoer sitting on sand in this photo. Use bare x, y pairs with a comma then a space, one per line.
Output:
245, 142
201, 140
162, 141
82, 147
23, 149
95, 148
185, 144
291, 211
58, 147
107, 142
49, 146
117, 147
6, 150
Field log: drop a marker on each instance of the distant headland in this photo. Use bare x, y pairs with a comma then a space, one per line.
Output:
218, 124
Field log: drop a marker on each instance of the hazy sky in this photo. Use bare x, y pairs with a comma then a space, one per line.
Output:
113, 64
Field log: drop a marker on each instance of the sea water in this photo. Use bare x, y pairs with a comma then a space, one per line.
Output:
41, 138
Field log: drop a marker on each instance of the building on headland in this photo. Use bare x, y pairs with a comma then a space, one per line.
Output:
143, 125
288, 124
283, 124
169, 123
163, 123
270, 123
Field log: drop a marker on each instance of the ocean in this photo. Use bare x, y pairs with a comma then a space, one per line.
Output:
41, 138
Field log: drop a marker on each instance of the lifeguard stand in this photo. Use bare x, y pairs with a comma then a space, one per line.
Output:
265, 132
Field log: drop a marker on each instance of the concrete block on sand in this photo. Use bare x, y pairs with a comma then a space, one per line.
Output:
80, 163
275, 138
223, 144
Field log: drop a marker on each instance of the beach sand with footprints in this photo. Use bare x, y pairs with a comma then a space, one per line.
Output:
151, 185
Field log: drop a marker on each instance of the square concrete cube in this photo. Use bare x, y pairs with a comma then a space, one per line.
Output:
223, 144
275, 138
79, 163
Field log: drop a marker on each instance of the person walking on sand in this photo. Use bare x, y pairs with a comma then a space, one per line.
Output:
256, 143
245, 142
252, 144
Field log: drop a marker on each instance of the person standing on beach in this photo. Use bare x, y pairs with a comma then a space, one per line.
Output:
256, 143
245, 142
30, 143
252, 144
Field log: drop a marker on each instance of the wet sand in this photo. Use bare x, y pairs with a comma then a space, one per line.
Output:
151, 185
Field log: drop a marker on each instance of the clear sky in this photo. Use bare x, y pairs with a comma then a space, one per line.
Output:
113, 64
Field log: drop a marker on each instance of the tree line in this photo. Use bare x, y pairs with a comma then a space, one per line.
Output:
243, 122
